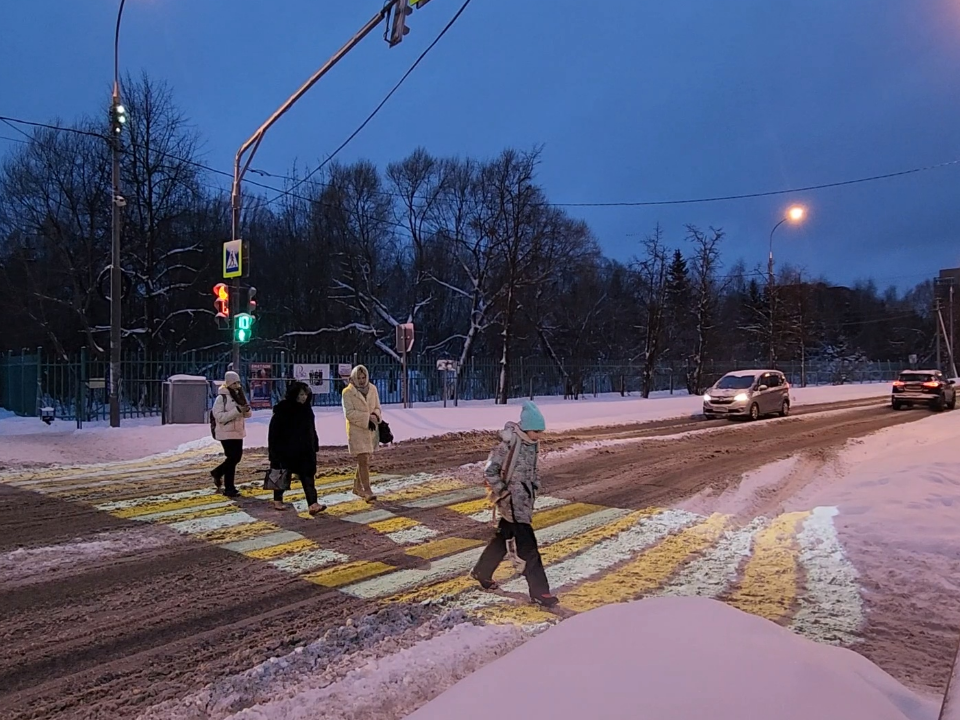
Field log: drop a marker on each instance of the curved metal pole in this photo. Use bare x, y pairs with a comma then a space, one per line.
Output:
773, 357
116, 53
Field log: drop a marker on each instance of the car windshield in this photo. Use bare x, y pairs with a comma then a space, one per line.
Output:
917, 377
735, 382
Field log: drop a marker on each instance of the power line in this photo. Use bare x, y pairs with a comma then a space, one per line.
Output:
47, 126
385, 99
768, 193
641, 203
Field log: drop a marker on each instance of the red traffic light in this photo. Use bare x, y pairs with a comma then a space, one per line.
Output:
221, 303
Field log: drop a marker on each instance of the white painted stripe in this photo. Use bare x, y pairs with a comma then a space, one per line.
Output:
607, 553
264, 541
412, 535
369, 516
548, 501
389, 485
831, 608
460, 563
181, 511
216, 522
308, 560
474, 600
447, 498
718, 569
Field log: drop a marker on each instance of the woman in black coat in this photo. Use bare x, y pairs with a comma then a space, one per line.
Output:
293, 443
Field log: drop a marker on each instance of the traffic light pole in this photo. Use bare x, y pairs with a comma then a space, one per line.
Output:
115, 278
241, 165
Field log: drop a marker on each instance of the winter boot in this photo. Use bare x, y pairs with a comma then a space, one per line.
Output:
546, 600
485, 584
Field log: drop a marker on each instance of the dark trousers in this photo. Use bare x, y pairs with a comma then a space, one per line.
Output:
527, 549
233, 451
308, 481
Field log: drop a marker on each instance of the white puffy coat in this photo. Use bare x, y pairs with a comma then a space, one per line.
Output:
231, 421
357, 410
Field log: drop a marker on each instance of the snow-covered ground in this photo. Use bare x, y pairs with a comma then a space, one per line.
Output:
29, 440
888, 504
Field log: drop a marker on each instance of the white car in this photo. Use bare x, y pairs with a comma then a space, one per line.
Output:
748, 393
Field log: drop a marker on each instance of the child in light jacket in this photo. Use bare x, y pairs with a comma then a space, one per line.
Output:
511, 474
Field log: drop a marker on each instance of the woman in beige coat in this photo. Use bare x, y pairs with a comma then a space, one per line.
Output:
361, 407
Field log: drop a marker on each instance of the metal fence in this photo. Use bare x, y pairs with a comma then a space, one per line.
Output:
76, 388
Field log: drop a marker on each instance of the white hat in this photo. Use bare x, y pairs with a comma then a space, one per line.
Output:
230, 378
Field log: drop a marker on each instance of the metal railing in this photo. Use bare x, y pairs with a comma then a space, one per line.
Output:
76, 388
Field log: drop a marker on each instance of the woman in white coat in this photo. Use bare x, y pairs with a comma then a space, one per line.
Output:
230, 410
361, 407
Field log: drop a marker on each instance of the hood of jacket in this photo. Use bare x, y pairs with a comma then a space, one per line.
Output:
512, 430
292, 408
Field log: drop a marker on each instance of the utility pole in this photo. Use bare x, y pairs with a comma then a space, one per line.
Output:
936, 307
400, 9
794, 215
118, 118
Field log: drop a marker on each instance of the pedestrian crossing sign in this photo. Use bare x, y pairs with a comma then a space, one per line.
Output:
233, 259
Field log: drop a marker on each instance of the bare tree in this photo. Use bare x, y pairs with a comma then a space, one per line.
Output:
651, 276
55, 224
707, 291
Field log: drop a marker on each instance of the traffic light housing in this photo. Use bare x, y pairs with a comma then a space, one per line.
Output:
221, 300
118, 118
400, 12
243, 327
250, 302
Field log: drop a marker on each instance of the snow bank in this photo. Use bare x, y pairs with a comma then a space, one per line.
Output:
61, 443
678, 658
380, 666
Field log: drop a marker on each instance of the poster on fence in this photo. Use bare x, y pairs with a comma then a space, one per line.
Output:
316, 376
261, 385
343, 370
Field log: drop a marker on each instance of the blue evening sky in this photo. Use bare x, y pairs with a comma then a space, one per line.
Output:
633, 100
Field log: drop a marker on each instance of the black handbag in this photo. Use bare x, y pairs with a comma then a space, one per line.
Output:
386, 437
276, 479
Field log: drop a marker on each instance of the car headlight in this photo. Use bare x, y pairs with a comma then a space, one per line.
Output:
740, 397
706, 397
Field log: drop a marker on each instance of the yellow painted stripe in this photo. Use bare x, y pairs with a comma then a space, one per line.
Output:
194, 514
430, 487
239, 532
768, 586
471, 506
348, 573
437, 591
550, 554
289, 548
393, 524
571, 546
519, 614
348, 508
560, 514
166, 506
445, 546
649, 570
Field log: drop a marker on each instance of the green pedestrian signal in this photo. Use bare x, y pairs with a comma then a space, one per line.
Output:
243, 327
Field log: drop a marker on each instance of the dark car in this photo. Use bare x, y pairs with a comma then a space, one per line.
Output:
923, 387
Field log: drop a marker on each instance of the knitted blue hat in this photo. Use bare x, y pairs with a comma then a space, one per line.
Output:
531, 418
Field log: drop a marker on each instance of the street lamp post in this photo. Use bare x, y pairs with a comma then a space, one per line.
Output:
117, 116
250, 147
795, 214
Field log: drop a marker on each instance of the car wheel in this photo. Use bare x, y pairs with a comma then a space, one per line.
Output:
754, 412
896, 405
939, 404
785, 408
953, 402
